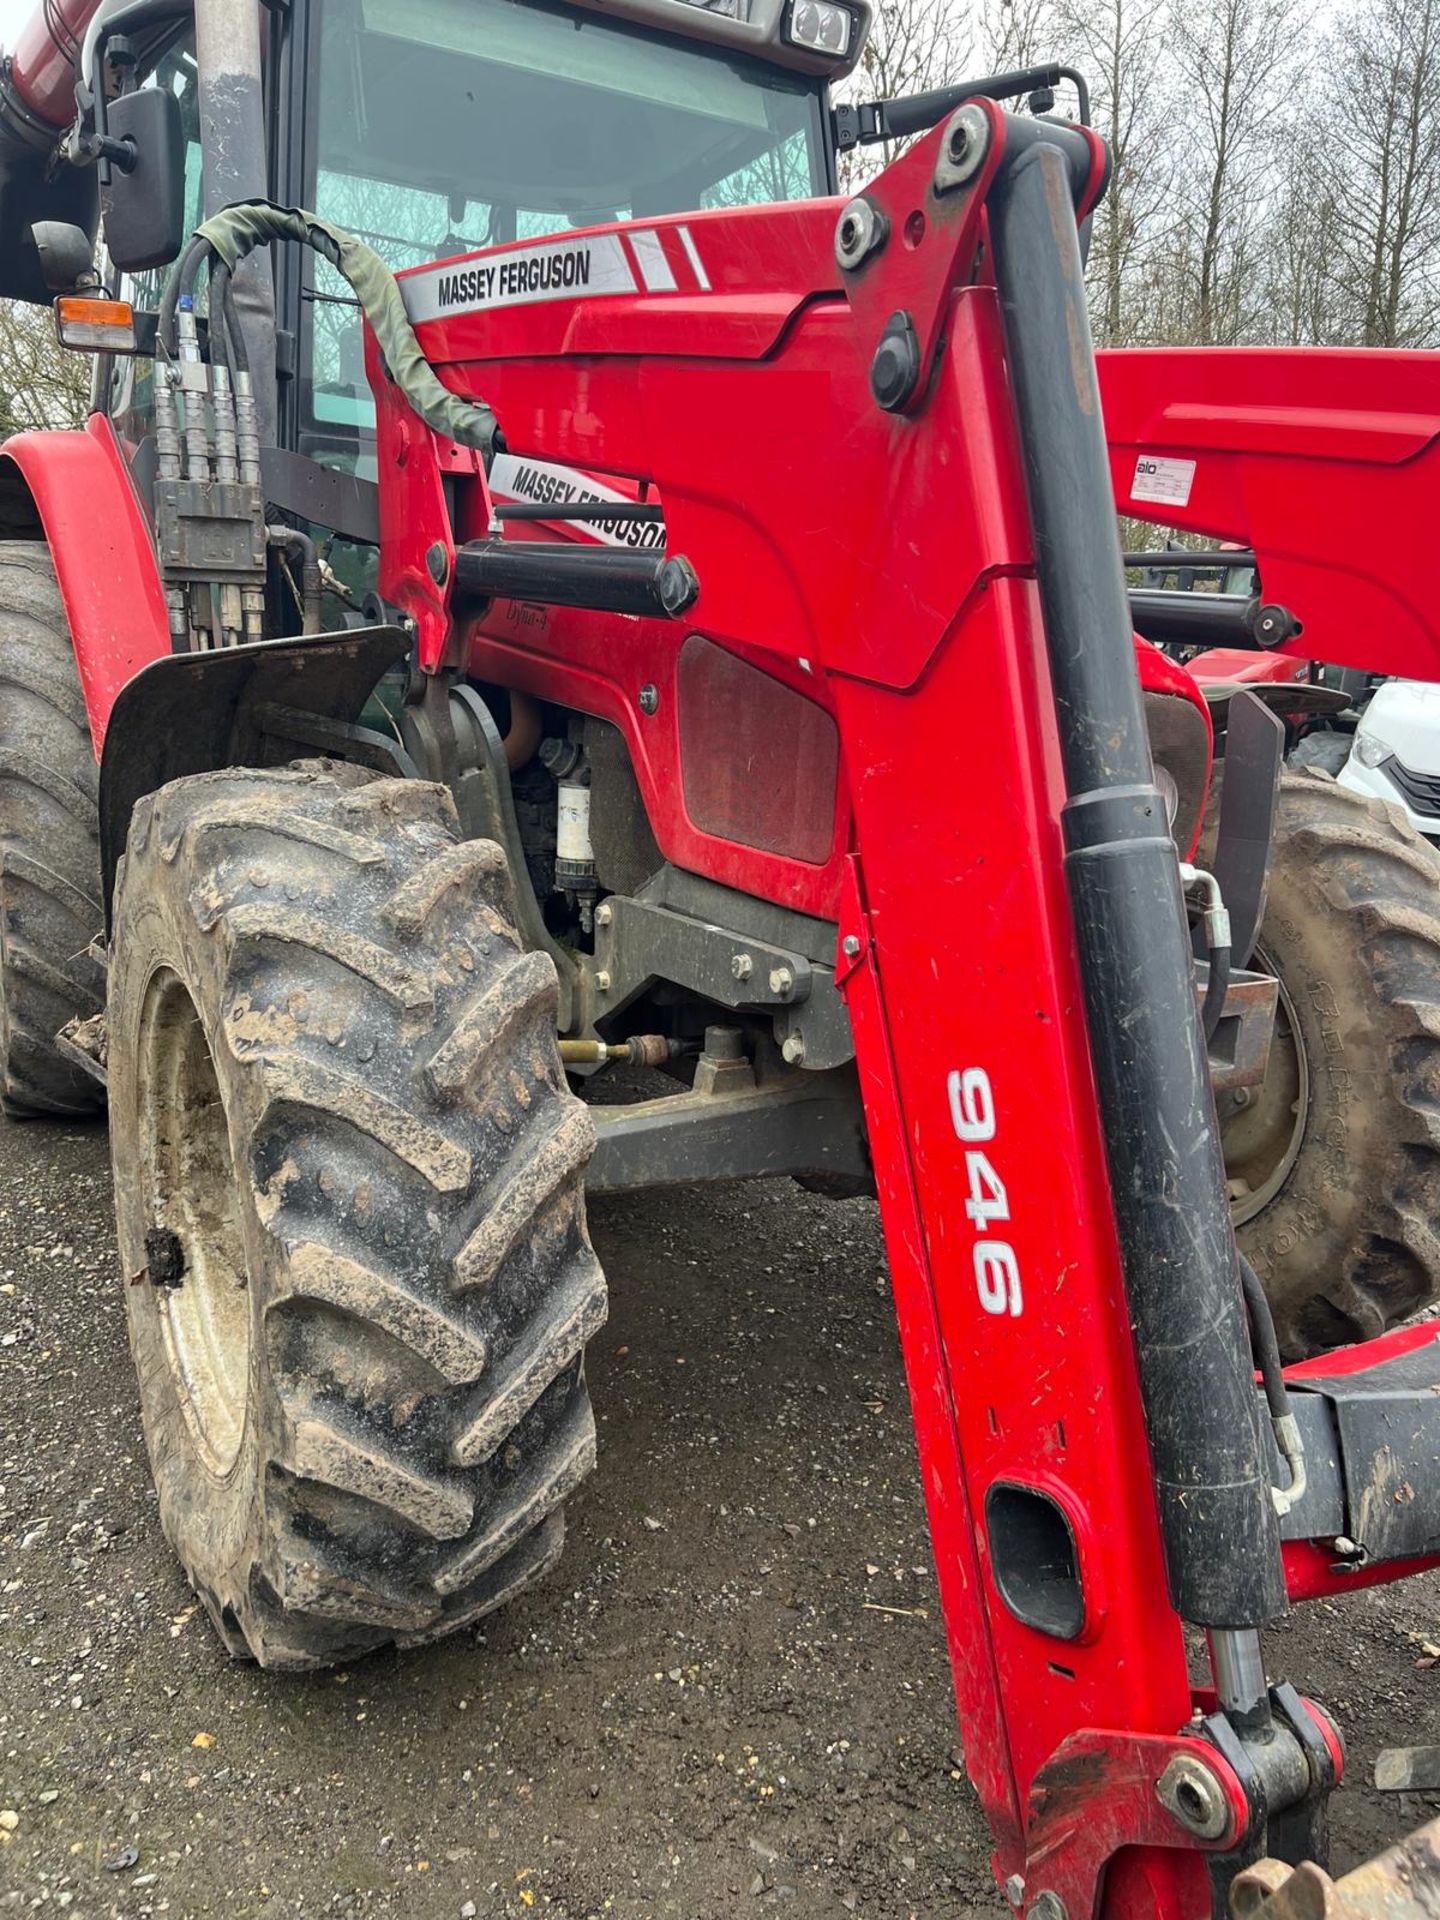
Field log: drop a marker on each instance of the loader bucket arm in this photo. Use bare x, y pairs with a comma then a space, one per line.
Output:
1326, 463
884, 475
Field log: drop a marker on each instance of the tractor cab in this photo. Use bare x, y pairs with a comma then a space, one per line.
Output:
436, 129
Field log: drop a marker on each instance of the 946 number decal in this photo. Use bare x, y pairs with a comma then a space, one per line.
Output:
997, 1272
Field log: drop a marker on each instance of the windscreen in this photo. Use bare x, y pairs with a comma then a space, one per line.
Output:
447, 125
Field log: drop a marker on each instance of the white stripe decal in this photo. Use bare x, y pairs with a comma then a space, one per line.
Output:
649, 251
693, 255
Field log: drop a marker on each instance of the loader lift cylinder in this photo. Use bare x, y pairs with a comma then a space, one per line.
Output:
1167, 1178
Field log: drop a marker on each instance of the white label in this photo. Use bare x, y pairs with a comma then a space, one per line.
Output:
572, 827
545, 270
548, 483
1167, 481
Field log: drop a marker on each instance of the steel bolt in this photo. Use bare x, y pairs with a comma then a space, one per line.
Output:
782, 982
604, 914
602, 981
742, 966
793, 1048
649, 698
1189, 1790
963, 150
1015, 1889
1049, 1906
861, 230
850, 946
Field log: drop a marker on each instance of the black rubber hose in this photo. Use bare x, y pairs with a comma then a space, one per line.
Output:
227, 337
1263, 1343
219, 347
1216, 987
183, 272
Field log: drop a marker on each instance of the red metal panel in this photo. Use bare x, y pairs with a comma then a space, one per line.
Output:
759, 760
1326, 462
104, 557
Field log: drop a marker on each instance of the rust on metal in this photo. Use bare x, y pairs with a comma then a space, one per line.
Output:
1403, 1883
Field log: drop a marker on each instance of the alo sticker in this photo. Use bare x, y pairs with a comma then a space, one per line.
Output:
1166, 481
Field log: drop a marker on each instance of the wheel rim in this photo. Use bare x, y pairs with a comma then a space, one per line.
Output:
190, 1190
1262, 1128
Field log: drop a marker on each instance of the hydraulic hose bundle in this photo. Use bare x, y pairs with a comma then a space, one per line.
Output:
209, 462
238, 230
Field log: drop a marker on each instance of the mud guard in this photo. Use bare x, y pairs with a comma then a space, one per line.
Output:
257, 706
99, 537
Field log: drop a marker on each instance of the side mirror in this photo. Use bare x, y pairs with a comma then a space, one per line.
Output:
144, 206
66, 253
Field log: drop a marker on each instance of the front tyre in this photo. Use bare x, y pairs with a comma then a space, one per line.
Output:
1334, 1162
348, 1177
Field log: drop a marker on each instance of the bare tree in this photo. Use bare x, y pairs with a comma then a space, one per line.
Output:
41, 384
1237, 60
914, 45
1015, 33
1121, 47
1380, 170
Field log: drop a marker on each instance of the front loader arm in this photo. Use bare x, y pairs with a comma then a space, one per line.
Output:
1324, 462
880, 453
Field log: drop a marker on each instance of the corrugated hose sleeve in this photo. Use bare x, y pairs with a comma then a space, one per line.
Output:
237, 230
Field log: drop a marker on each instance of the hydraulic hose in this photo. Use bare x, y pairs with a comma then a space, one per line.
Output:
1216, 988
1266, 1349
238, 230
1216, 922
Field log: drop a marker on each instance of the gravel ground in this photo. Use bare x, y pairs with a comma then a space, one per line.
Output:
704, 1712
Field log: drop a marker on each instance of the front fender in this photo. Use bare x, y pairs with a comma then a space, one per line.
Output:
104, 554
261, 705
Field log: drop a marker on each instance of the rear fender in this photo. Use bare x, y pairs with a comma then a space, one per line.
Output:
87, 510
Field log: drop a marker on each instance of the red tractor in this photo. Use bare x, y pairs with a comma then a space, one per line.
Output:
554, 654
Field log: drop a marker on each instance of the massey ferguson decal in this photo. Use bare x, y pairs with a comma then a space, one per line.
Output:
549, 484
556, 269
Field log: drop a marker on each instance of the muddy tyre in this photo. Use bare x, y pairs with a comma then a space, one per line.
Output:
1334, 1163
49, 845
348, 1177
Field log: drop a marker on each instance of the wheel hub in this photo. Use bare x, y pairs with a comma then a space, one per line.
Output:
1261, 1133
191, 1200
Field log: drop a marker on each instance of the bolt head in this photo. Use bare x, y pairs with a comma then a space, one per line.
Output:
649, 698
850, 946
860, 231
793, 1048
1191, 1793
602, 981
604, 914
1015, 1889
741, 966
782, 981
1049, 1906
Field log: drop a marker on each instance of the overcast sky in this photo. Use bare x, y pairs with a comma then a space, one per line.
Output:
13, 15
